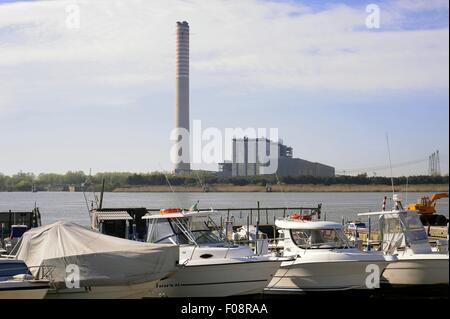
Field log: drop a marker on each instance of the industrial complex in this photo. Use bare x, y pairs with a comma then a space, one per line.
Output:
248, 154
253, 157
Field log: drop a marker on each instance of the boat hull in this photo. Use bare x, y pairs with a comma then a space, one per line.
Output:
417, 271
23, 290
301, 277
134, 291
218, 279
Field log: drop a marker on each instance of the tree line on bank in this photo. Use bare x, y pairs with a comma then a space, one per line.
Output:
113, 180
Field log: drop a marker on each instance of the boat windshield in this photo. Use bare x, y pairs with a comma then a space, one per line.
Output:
202, 230
18, 230
319, 238
410, 224
405, 224
183, 231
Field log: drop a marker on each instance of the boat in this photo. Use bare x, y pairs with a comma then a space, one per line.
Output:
404, 236
325, 260
210, 266
16, 233
356, 226
17, 282
14, 224
87, 264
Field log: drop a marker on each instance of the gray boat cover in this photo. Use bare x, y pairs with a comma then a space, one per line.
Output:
102, 260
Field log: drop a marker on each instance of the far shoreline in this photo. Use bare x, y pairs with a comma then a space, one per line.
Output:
297, 188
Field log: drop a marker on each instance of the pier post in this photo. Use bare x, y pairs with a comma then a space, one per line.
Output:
258, 213
248, 230
226, 224
274, 228
102, 193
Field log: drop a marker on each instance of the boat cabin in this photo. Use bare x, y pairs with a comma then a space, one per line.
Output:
300, 235
183, 228
402, 230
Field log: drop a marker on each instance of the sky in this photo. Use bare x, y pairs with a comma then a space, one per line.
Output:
99, 93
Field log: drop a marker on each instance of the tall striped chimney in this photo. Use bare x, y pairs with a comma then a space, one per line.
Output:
182, 95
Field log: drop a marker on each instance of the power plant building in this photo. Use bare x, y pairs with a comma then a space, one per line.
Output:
253, 157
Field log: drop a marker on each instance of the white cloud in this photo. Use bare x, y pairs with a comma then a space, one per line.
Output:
235, 46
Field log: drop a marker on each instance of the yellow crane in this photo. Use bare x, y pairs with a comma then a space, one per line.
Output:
426, 206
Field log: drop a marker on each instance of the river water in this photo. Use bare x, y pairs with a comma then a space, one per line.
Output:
72, 206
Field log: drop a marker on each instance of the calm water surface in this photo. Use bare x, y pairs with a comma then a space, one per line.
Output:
72, 206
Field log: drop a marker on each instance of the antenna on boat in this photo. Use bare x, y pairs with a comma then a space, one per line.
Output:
406, 191
390, 164
171, 188
84, 186
202, 185
282, 192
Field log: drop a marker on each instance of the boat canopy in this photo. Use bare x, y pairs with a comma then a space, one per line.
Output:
301, 224
387, 212
402, 229
98, 217
102, 260
112, 215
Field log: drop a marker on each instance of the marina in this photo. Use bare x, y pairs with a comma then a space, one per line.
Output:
227, 251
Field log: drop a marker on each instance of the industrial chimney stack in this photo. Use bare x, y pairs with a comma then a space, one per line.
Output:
182, 95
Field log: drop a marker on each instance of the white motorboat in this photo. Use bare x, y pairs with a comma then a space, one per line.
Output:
16, 281
404, 236
87, 264
209, 265
324, 259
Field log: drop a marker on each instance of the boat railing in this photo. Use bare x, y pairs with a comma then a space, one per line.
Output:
44, 272
184, 229
254, 215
